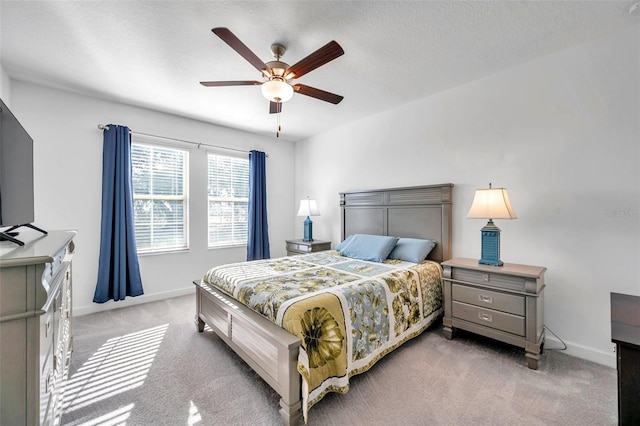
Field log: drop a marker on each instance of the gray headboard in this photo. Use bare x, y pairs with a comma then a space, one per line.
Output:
413, 212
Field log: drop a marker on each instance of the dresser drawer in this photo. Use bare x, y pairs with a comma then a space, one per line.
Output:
46, 396
489, 299
503, 321
46, 339
52, 268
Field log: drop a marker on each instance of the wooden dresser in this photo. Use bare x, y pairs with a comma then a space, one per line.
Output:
35, 328
505, 303
625, 333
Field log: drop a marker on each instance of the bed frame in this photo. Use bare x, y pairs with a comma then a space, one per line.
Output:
272, 352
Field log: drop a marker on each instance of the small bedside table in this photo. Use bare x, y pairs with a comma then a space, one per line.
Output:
303, 247
505, 303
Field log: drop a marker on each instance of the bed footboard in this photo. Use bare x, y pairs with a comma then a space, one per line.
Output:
270, 351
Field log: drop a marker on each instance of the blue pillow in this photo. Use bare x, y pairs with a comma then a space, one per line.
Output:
375, 248
344, 243
412, 249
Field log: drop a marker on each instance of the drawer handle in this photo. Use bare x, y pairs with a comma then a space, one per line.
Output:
485, 317
46, 328
485, 299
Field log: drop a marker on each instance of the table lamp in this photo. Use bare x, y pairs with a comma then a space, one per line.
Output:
308, 208
491, 203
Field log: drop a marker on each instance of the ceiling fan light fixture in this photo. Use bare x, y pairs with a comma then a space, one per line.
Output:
278, 68
277, 90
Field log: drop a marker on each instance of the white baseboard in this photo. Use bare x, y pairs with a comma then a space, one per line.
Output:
130, 301
607, 359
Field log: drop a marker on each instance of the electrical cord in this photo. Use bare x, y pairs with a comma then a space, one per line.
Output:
556, 336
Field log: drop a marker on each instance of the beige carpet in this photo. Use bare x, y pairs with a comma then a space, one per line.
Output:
147, 365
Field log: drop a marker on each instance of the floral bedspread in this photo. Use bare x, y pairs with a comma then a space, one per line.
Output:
348, 313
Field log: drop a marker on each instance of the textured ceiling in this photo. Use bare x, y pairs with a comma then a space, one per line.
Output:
154, 53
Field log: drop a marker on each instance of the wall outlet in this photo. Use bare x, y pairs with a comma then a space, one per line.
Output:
613, 348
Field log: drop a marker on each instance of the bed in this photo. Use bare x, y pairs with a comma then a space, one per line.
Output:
237, 301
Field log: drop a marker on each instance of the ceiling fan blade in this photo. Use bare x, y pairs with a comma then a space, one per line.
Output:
234, 42
326, 53
230, 83
317, 93
275, 107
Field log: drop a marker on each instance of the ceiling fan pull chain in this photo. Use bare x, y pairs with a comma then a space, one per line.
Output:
279, 127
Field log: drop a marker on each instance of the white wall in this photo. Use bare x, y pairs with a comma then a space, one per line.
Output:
5, 92
68, 176
561, 133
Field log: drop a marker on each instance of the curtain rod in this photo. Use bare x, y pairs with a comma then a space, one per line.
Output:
103, 127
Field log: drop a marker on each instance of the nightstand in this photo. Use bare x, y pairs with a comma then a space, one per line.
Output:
303, 247
505, 303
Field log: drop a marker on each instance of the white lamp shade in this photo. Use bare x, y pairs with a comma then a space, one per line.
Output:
277, 90
491, 203
308, 208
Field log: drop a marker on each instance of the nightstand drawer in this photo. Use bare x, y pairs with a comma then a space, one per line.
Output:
298, 247
489, 299
489, 318
303, 247
510, 282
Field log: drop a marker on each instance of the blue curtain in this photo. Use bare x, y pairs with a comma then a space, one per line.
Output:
258, 238
118, 269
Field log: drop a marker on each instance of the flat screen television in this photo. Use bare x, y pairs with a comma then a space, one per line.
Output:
16, 177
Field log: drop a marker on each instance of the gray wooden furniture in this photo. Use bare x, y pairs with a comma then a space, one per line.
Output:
625, 333
414, 212
295, 247
505, 303
418, 212
35, 328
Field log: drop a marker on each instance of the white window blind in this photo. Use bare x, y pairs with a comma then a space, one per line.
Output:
228, 200
160, 197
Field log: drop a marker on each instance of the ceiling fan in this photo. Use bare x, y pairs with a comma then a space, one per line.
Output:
277, 86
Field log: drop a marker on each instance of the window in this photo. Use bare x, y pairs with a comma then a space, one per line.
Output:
160, 195
228, 200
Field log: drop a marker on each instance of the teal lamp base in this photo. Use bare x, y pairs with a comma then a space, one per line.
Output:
308, 230
490, 245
